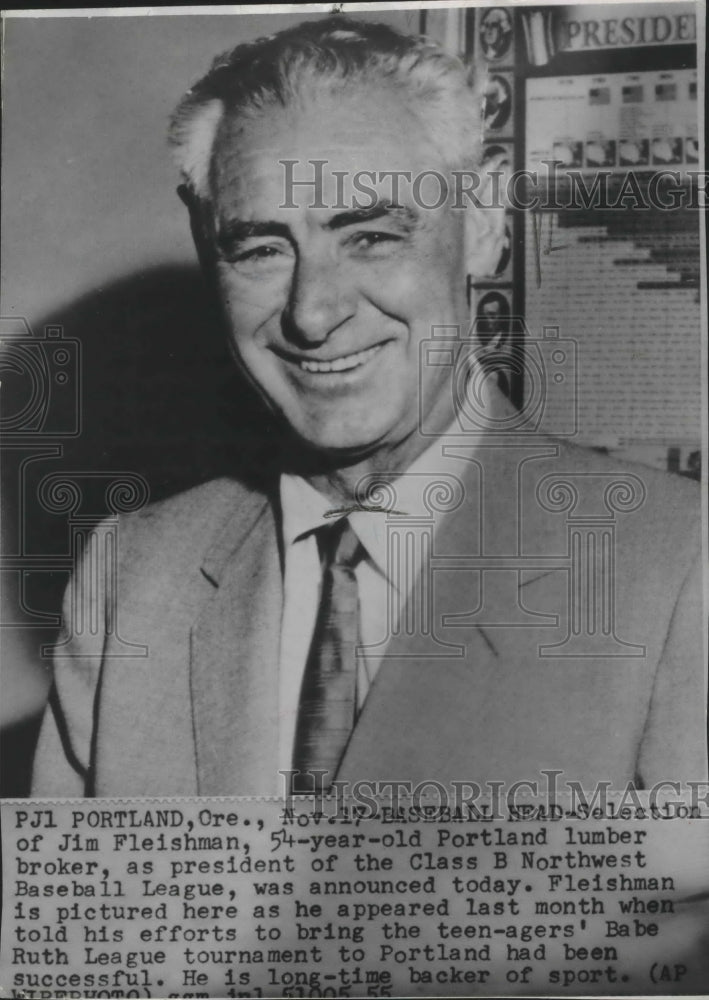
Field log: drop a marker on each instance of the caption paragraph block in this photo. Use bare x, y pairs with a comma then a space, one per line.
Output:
242, 898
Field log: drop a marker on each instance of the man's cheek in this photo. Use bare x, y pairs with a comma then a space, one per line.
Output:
246, 306
251, 320
395, 291
254, 293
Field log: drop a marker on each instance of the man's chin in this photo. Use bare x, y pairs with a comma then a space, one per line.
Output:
339, 454
325, 452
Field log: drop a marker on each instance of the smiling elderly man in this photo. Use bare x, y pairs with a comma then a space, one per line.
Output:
401, 599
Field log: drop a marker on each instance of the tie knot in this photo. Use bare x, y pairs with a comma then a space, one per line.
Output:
340, 545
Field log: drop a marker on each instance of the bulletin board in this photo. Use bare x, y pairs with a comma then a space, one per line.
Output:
594, 91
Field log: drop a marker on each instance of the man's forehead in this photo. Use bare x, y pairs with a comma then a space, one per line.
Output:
341, 129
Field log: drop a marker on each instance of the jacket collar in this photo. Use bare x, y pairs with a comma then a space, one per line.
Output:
232, 536
234, 657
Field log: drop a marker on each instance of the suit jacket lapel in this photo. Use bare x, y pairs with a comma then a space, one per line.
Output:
411, 722
234, 667
419, 705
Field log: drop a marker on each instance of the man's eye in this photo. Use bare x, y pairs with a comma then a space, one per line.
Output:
256, 254
373, 240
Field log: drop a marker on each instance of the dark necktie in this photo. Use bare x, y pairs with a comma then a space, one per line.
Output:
328, 695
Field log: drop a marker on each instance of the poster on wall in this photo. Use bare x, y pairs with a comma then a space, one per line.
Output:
613, 121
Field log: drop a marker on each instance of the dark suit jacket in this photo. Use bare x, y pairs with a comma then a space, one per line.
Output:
199, 585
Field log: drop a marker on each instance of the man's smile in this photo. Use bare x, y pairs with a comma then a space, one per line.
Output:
342, 363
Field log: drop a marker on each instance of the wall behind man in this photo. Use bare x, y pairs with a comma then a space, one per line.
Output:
95, 240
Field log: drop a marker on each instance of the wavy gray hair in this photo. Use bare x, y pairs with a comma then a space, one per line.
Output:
335, 54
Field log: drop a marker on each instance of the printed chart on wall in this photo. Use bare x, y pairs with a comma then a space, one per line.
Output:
621, 280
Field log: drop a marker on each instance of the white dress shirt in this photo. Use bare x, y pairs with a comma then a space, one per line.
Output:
380, 597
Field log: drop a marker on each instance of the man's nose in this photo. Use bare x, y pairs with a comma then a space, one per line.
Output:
321, 300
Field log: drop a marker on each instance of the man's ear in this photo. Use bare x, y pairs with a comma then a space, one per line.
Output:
200, 223
485, 219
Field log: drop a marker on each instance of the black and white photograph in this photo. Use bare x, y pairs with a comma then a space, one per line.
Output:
493, 326
495, 33
353, 495
498, 103
633, 153
569, 152
600, 153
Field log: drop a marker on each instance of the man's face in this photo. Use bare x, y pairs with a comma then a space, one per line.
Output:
491, 31
491, 312
327, 306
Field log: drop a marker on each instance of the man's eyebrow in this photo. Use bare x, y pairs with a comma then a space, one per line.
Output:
355, 216
232, 232
235, 231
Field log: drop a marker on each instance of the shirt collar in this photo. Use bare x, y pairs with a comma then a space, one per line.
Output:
303, 507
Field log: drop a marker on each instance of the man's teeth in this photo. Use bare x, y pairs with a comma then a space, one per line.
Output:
340, 364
